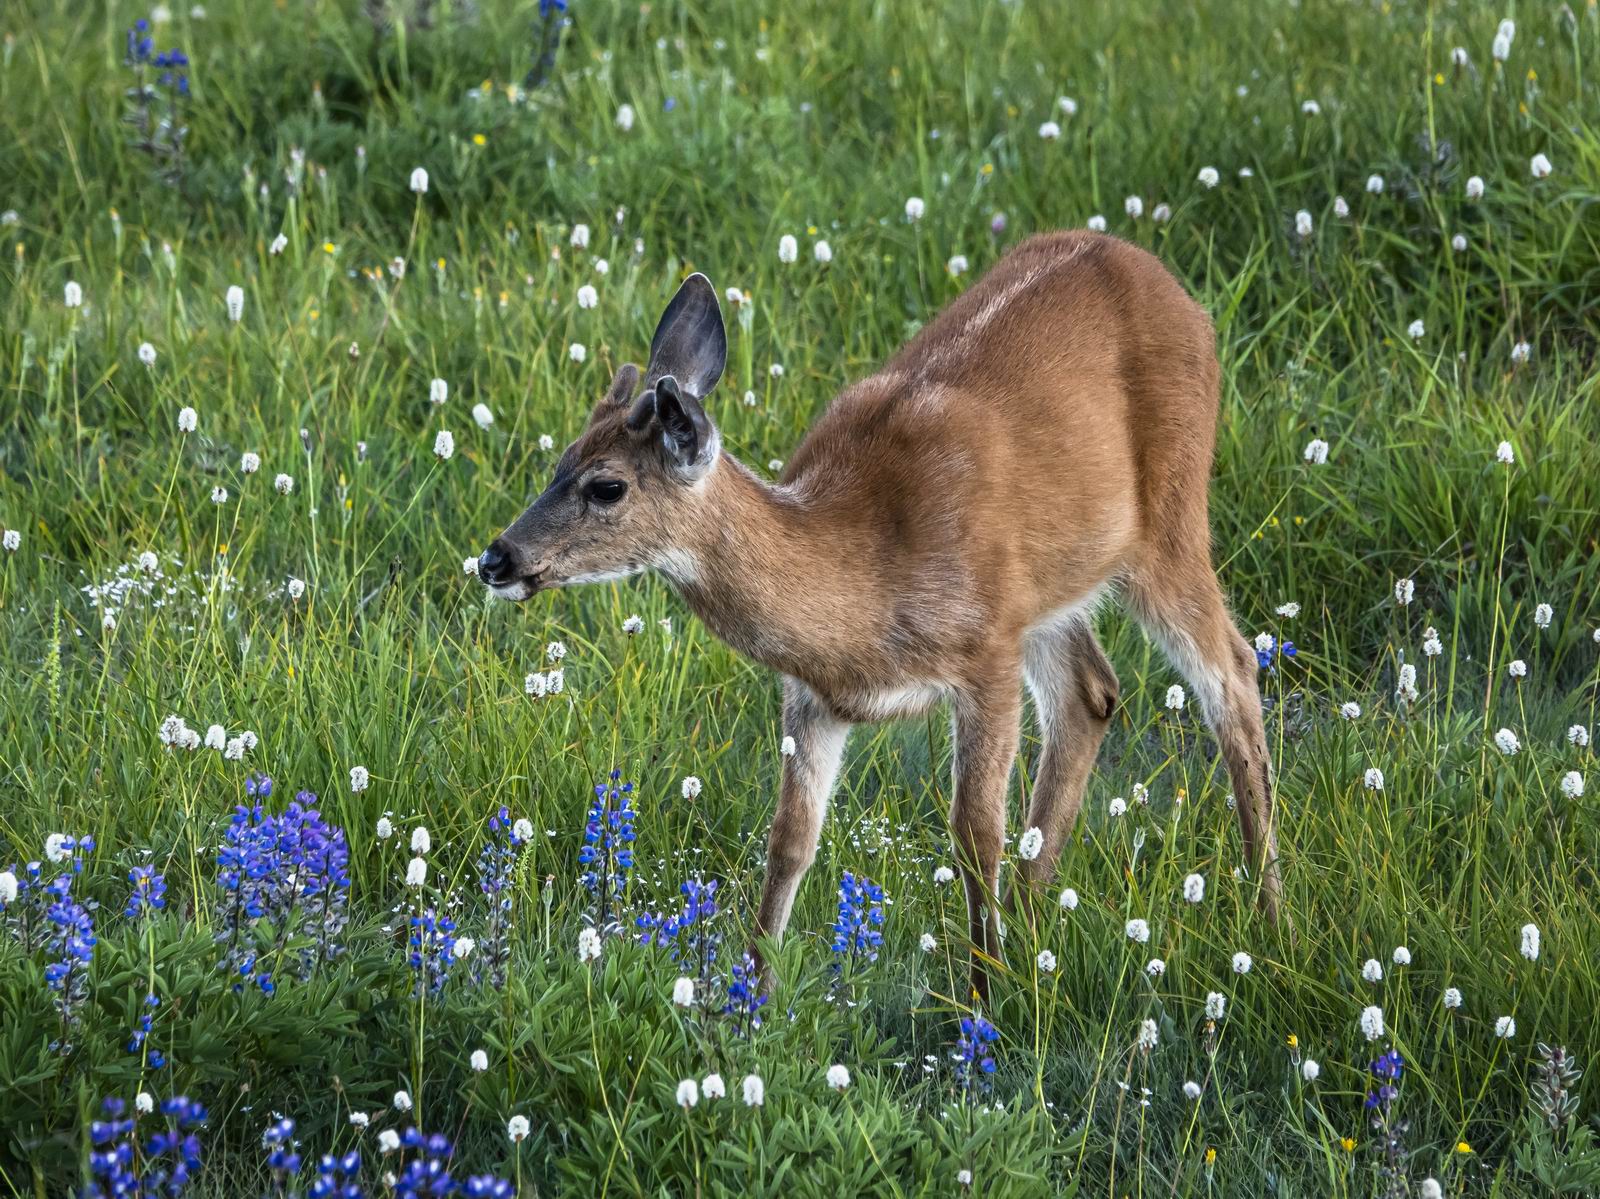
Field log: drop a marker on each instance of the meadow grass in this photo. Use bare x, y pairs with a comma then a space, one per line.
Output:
819, 121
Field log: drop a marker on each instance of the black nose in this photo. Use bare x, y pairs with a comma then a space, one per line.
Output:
495, 565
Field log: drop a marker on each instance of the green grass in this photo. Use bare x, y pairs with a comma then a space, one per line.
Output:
817, 120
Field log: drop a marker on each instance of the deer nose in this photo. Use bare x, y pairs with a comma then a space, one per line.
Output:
495, 564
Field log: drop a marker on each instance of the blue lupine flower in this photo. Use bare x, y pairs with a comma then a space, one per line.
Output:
1386, 1070
608, 849
973, 1059
278, 1140
427, 1172
70, 942
1269, 647
289, 871
432, 951
497, 863
165, 1164
548, 8
136, 1043
149, 892
745, 999
338, 1177
855, 932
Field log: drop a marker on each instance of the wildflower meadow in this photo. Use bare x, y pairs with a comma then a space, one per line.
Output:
323, 872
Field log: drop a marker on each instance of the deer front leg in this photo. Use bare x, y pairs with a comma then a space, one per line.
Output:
808, 777
987, 729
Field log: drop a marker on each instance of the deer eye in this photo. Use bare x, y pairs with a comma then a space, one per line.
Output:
605, 491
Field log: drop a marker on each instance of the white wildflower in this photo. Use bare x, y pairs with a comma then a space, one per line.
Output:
915, 208
755, 1091
1505, 1028
1208, 176
838, 1077
588, 945
1046, 961
1372, 1022
1507, 743
1316, 451
788, 248
1069, 900
1530, 942
1031, 844
1572, 785
1194, 888
1137, 930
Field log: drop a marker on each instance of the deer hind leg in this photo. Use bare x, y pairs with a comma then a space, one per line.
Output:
808, 778
1185, 613
987, 729
1074, 693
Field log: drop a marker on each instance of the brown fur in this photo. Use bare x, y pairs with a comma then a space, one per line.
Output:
944, 531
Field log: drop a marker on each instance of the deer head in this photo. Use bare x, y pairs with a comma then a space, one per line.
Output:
624, 489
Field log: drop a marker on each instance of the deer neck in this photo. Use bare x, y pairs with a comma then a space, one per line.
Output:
763, 568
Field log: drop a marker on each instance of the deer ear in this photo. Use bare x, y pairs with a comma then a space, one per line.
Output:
620, 392
687, 434
690, 343
623, 385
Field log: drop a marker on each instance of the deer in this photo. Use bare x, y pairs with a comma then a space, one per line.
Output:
943, 534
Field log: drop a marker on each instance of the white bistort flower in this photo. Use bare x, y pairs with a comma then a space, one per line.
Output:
283, 484
755, 1091
479, 1061
1133, 206
1137, 930
838, 1077
1046, 961
1155, 967
1194, 888
1452, 999
1031, 844
943, 875
1149, 1035
588, 945
1373, 779
188, 420
625, 117
444, 445
389, 1139
518, 1129
1208, 177
1416, 330
1302, 223
1316, 451
712, 1086
1505, 1028
915, 208
1578, 735
419, 180
1191, 1090
580, 237
1530, 942
1518, 669
417, 873
1474, 187
927, 943
359, 779
683, 992
1097, 223
957, 264
1372, 1022
1310, 1070
577, 351
1401, 955
1372, 971
1572, 785
1540, 167
1069, 900
1216, 1005
1375, 185
1175, 698
235, 303
1049, 131
1503, 454
1507, 743
72, 295
688, 1091
1341, 207
822, 252
788, 248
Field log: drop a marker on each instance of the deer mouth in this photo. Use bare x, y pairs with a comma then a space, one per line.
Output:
524, 587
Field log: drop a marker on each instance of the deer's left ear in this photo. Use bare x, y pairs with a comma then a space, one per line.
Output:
687, 434
690, 343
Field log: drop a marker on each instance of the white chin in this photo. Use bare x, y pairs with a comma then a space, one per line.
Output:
515, 592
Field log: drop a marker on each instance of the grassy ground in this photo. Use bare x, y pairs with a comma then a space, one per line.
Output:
820, 121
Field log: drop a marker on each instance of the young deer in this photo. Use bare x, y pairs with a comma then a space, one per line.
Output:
944, 532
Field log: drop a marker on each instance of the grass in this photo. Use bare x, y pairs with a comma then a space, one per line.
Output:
819, 121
